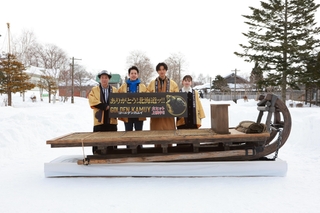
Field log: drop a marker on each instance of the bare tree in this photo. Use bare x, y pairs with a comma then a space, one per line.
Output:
25, 48
65, 80
52, 58
201, 79
140, 60
207, 79
176, 64
81, 76
49, 57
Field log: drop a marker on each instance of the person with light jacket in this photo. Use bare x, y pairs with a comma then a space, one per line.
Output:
162, 84
133, 85
194, 107
99, 99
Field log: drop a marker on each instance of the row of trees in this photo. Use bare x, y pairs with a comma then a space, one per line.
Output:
57, 70
177, 67
56, 67
256, 82
55, 64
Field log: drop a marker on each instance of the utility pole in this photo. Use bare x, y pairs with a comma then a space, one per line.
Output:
9, 47
235, 84
210, 87
72, 79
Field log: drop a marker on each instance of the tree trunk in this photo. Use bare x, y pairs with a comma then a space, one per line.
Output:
9, 98
284, 87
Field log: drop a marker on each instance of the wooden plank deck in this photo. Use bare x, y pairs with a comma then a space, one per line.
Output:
165, 137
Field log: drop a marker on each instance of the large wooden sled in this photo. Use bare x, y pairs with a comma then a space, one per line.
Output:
216, 144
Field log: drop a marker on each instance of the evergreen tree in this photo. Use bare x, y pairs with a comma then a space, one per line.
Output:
281, 38
311, 79
313, 71
256, 77
13, 78
219, 83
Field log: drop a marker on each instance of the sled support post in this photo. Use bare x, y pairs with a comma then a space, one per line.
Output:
220, 118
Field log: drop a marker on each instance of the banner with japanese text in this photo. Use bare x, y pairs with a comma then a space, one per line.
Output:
133, 105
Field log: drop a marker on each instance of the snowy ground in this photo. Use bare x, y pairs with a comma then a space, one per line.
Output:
25, 127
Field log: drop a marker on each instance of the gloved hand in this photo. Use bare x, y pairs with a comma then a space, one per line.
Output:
98, 115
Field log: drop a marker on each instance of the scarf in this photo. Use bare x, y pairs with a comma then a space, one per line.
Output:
133, 86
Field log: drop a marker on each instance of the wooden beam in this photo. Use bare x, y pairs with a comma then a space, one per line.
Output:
170, 157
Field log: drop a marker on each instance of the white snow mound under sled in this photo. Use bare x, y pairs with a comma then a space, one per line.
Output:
66, 166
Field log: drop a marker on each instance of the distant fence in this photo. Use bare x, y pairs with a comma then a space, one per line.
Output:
295, 95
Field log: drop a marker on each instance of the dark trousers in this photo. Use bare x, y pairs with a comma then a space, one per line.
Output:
190, 126
105, 128
133, 122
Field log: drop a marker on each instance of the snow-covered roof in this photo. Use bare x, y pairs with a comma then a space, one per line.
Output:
35, 70
238, 86
204, 86
90, 82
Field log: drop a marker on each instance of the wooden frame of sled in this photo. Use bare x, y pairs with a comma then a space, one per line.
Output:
219, 143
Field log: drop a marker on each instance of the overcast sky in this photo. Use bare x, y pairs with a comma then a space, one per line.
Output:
102, 33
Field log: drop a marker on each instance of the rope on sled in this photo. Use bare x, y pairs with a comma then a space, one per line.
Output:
85, 159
